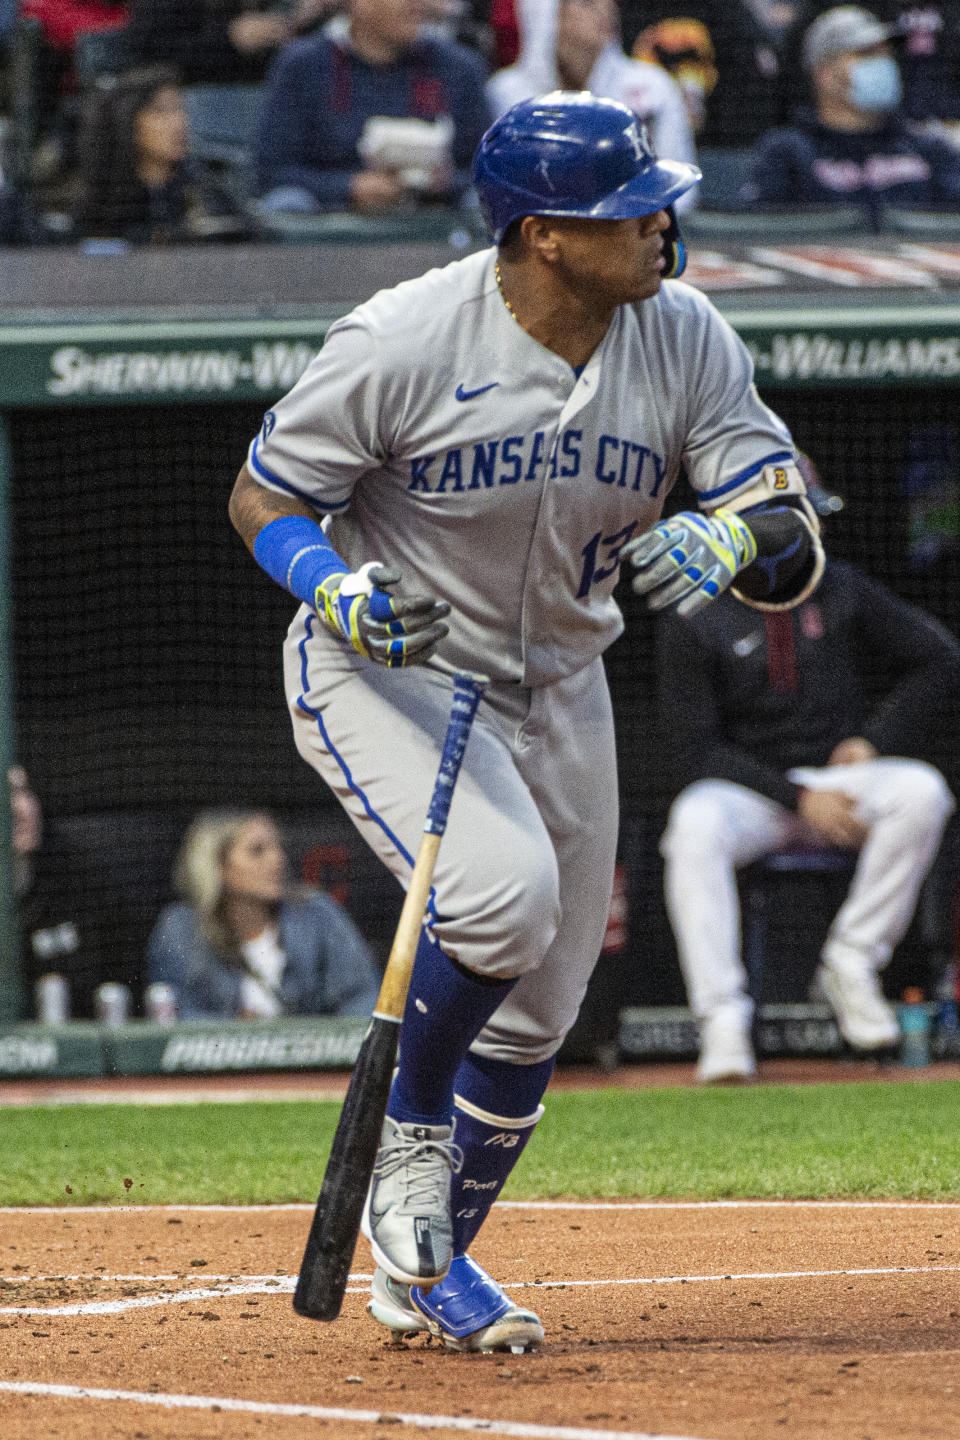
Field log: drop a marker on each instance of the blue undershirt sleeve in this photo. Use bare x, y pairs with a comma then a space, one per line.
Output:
295, 552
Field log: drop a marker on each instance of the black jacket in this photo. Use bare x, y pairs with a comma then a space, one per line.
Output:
809, 163
746, 695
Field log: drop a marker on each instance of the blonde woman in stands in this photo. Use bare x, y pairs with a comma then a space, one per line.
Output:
242, 943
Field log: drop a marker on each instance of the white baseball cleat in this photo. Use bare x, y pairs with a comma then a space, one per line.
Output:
853, 992
407, 1214
468, 1311
726, 1053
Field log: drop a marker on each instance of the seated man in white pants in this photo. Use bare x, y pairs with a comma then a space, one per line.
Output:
781, 747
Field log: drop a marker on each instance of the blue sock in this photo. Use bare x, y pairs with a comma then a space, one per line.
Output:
447, 1007
497, 1108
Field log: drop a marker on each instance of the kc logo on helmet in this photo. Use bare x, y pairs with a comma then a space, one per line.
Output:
507, 1138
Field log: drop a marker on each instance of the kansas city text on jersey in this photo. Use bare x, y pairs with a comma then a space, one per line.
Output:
488, 463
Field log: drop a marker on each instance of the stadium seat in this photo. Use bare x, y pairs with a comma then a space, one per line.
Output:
223, 127
8, 19
823, 864
223, 120
724, 172
101, 52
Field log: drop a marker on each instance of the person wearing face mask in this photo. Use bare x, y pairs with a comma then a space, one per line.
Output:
926, 36
854, 147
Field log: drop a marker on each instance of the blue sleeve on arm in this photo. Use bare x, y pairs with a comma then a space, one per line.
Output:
295, 552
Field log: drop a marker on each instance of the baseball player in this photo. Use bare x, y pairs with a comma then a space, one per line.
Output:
460, 472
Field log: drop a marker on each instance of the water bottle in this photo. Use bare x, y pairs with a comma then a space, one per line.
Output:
914, 1029
52, 994
111, 1003
160, 1003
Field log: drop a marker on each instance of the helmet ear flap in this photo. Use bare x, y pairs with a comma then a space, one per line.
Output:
674, 250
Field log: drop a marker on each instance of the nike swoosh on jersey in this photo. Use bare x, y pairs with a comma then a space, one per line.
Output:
462, 394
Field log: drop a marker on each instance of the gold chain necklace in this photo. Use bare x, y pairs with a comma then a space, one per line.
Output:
496, 271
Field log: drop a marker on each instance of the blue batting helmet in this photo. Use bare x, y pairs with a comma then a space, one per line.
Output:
574, 154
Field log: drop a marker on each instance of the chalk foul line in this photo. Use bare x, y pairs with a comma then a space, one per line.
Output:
285, 1286
468, 1424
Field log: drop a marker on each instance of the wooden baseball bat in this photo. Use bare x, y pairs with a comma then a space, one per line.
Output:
325, 1267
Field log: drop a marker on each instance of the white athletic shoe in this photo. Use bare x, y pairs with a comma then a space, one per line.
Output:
407, 1215
726, 1053
853, 991
468, 1311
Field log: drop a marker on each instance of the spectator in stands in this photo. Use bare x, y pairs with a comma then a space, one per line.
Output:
854, 147
575, 45
136, 180
219, 40
316, 148
926, 41
242, 943
777, 746
71, 919
723, 58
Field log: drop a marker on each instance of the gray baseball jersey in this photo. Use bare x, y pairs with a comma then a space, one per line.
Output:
440, 437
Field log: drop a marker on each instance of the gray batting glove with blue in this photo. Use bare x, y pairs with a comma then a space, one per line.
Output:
686, 561
388, 629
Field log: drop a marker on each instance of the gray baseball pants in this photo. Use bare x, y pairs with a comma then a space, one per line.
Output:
524, 875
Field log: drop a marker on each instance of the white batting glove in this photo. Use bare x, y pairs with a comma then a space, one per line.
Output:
389, 630
686, 561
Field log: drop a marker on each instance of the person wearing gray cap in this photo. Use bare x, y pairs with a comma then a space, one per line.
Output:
854, 147
926, 41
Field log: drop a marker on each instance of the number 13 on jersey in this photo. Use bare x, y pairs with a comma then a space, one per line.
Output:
605, 549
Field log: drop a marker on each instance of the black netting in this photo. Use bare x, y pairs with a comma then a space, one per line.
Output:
148, 678
147, 642
893, 456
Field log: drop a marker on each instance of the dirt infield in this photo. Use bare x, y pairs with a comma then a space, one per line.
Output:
717, 1321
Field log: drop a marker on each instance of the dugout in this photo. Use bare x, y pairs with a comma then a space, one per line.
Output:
142, 664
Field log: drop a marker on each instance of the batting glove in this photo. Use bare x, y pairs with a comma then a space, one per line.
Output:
383, 628
685, 562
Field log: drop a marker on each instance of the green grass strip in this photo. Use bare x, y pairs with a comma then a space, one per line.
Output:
873, 1140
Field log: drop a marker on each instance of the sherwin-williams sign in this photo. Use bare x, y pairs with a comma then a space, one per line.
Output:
165, 363
173, 362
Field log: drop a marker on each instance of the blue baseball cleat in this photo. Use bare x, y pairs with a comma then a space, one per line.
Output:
467, 1310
